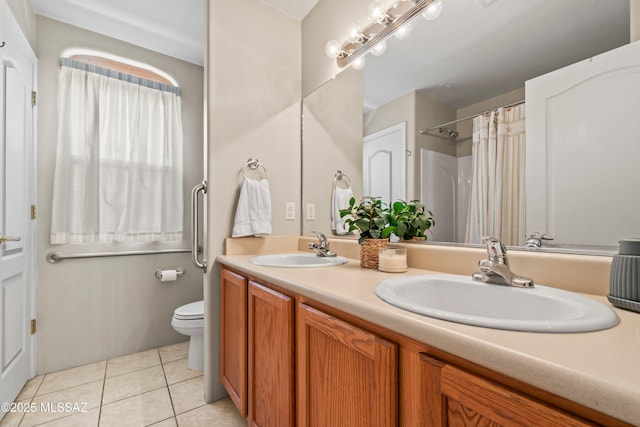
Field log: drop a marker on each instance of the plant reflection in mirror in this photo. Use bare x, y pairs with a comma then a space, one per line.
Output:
373, 219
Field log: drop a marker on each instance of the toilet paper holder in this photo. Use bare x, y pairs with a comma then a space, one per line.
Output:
179, 273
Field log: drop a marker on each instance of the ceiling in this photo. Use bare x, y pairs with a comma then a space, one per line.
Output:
297, 9
453, 59
174, 28
473, 52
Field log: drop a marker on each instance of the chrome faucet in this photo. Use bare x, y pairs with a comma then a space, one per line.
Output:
535, 240
322, 247
495, 269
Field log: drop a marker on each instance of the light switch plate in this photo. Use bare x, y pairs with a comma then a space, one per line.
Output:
311, 211
290, 211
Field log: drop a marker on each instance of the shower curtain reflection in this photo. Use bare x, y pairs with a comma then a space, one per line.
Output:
497, 188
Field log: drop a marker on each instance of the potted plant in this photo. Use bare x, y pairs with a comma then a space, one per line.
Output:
410, 221
372, 219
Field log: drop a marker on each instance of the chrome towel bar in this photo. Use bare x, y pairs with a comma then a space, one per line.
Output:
56, 257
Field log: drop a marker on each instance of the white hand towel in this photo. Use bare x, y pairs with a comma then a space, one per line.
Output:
340, 200
253, 214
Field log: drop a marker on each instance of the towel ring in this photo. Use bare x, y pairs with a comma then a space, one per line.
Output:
253, 164
341, 177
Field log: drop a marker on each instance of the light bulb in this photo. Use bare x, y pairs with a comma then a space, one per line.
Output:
376, 11
332, 48
432, 11
379, 48
358, 63
353, 32
403, 32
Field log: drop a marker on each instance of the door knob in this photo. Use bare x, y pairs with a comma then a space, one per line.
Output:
8, 239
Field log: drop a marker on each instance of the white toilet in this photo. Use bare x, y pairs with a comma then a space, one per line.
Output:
189, 320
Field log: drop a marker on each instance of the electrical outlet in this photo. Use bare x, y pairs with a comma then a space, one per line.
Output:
290, 211
311, 211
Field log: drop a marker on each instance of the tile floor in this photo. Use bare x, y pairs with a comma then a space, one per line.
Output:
154, 387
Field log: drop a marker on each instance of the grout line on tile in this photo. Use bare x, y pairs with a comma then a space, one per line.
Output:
35, 393
102, 392
173, 407
104, 382
23, 414
54, 420
161, 421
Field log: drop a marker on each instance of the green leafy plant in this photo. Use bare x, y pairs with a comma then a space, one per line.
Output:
409, 220
370, 217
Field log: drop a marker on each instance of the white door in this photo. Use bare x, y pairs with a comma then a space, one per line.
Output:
439, 183
16, 196
582, 170
384, 163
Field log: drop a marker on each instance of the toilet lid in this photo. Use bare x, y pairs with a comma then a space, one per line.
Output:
194, 310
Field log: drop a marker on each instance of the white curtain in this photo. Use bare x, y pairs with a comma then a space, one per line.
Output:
496, 205
118, 173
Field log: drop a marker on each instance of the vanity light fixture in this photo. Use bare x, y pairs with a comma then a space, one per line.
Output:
403, 32
433, 11
358, 63
353, 32
377, 11
383, 23
379, 49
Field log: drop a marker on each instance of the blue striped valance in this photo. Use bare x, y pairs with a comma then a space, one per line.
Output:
67, 62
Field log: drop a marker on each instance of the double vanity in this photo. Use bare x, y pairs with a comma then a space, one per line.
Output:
343, 345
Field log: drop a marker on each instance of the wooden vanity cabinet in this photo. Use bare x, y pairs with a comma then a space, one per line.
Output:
346, 376
271, 357
286, 361
456, 397
233, 337
257, 351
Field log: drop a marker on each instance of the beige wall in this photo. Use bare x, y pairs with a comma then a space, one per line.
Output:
430, 113
402, 109
326, 21
23, 12
332, 140
419, 112
635, 20
93, 309
253, 111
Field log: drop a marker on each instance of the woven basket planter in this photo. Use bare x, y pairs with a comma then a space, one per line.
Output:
369, 250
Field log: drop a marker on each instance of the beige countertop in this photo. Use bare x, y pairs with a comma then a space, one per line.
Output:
600, 370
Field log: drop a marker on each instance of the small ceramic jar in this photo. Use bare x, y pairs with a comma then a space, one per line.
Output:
624, 283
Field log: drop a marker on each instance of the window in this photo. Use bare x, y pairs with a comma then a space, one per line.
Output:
118, 175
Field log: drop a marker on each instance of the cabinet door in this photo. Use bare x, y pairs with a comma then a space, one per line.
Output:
233, 338
271, 388
466, 399
346, 376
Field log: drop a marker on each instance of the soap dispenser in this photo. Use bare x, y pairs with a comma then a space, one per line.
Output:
624, 283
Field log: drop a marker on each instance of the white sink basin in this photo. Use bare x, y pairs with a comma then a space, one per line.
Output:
295, 260
462, 300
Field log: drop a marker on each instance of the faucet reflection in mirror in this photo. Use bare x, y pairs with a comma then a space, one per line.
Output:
383, 23
322, 247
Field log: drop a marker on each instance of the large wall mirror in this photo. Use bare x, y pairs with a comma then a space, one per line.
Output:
473, 59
